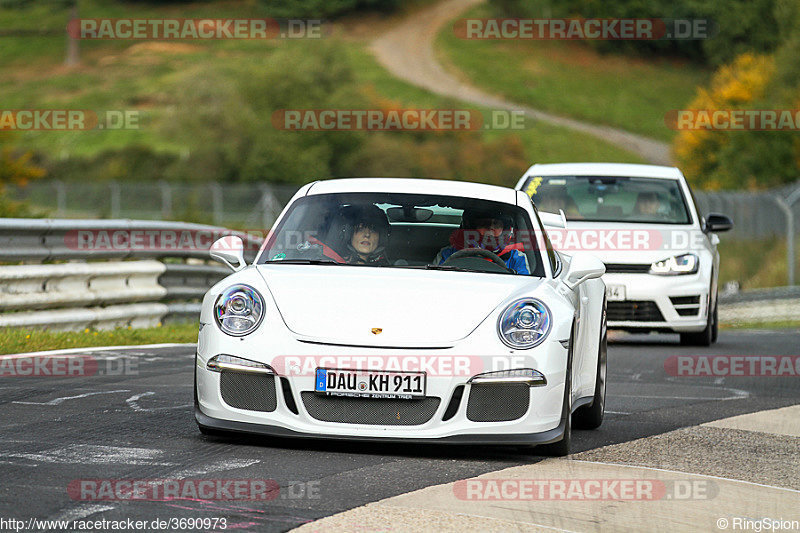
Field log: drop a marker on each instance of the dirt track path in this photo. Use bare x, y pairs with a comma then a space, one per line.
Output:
407, 52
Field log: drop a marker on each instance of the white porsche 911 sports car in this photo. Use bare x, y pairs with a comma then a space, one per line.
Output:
406, 309
661, 257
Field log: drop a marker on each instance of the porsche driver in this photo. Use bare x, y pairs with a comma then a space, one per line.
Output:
488, 232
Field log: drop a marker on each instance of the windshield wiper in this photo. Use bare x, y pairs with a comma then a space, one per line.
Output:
302, 262
452, 268
446, 267
431, 267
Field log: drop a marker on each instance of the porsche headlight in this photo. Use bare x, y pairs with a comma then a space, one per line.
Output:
677, 265
524, 324
239, 310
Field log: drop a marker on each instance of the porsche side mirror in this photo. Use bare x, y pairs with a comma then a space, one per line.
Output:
229, 250
717, 223
583, 266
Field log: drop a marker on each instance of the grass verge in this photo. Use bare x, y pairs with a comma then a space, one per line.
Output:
755, 264
22, 340
778, 324
572, 79
542, 142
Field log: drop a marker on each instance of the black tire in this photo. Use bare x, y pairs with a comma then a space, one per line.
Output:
706, 337
591, 416
715, 331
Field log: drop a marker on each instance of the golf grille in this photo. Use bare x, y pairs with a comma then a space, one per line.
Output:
626, 268
685, 300
497, 403
254, 392
635, 311
376, 411
686, 305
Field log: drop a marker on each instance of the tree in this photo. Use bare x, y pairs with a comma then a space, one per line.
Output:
735, 86
16, 169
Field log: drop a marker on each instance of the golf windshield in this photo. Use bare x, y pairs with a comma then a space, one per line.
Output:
610, 198
407, 231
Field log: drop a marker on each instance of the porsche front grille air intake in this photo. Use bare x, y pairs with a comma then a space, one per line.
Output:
376, 411
497, 403
243, 390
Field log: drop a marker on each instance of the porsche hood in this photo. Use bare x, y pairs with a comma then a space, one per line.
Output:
389, 307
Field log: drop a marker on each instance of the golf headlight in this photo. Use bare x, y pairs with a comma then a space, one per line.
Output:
680, 264
239, 310
524, 324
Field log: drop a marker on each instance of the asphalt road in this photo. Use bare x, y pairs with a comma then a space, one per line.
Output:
134, 419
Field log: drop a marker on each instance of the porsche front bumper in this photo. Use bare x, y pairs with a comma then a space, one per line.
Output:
453, 411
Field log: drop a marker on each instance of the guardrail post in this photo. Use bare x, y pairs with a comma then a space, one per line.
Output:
166, 200
217, 206
269, 207
786, 207
115, 199
61, 198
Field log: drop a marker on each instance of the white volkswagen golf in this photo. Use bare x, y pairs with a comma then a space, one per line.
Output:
404, 309
660, 253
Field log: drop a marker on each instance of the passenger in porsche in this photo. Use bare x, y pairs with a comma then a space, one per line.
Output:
366, 235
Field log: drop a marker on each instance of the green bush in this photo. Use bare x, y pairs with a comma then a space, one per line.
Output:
738, 25
132, 162
15, 169
323, 8
752, 159
226, 116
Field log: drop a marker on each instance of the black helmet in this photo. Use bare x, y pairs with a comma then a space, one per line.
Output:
368, 215
471, 218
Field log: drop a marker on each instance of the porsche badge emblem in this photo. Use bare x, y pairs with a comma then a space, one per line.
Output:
377, 331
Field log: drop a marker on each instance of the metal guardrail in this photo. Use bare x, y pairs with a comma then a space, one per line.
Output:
26, 239
762, 295
62, 286
32, 287
127, 280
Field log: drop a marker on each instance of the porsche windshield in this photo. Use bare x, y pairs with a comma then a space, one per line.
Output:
610, 198
407, 231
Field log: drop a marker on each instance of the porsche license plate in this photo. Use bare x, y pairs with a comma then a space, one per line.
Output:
615, 293
370, 383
